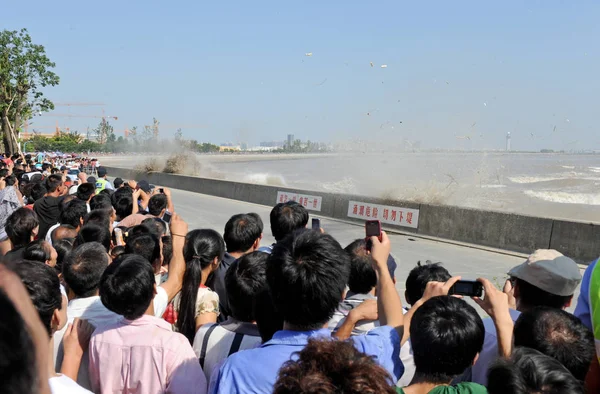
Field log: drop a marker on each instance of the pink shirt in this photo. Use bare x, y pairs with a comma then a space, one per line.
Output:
143, 356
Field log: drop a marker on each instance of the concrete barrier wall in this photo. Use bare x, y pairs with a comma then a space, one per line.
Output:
507, 231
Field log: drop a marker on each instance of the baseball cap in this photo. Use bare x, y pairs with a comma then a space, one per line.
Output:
101, 172
91, 180
549, 270
144, 185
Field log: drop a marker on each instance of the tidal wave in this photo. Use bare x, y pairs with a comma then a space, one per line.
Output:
565, 197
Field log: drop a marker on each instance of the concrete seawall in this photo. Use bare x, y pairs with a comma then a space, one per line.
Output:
507, 231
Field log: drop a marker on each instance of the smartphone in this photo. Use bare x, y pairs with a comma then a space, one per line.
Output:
373, 228
470, 288
316, 224
167, 217
161, 190
119, 237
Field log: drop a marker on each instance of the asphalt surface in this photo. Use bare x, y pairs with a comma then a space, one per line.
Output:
203, 211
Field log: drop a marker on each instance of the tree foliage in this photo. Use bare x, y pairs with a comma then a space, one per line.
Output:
24, 71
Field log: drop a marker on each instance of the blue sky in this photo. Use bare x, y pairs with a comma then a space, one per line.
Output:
240, 69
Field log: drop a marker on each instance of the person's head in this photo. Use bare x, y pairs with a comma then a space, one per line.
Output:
307, 274
100, 217
100, 201
157, 205
63, 247
86, 191
92, 180
362, 247
127, 287
54, 184
102, 172
147, 246
118, 182
64, 231
42, 252
43, 287
243, 233
417, 279
547, 278
529, 371
117, 251
557, 334
156, 226
245, 279
327, 366
286, 218
94, 233
446, 335
74, 213
167, 243
83, 268
82, 176
123, 205
362, 279
203, 252
22, 227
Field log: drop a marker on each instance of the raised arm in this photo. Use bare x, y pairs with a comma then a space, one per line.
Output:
367, 310
170, 205
179, 230
389, 305
496, 304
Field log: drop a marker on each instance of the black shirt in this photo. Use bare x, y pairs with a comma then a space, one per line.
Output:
216, 282
14, 255
48, 212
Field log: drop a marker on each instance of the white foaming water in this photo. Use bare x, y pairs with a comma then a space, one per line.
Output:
533, 179
493, 186
265, 179
594, 169
565, 197
568, 167
347, 186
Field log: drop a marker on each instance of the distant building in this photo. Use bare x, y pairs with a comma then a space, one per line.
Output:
229, 148
508, 142
244, 146
272, 144
290, 140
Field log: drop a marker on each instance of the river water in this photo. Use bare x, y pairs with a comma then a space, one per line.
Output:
548, 185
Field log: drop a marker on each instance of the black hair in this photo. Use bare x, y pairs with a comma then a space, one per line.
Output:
127, 286
557, 334
157, 226
117, 251
107, 192
85, 191
3, 173
363, 277
38, 191
73, 213
417, 279
63, 247
446, 334
118, 182
83, 268
241, 231
93, 233
529, 371
200, 250
53, 182
99, 217
43, 287
123, 206
245, 279
100, 201
145, 245
361, 247
157, 203
307, 273
37, 251
167, 242
268, 319
18, 361
20, 225
533, 296
286, 218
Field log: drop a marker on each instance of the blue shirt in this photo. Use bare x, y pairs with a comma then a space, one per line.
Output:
582, 310
255, 371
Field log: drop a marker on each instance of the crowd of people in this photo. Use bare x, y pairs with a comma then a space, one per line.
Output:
104, 289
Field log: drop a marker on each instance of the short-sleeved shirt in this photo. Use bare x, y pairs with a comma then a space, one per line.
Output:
63, 384
583, 310
216, 281
143, 356
461, 388
255, 370
207, 301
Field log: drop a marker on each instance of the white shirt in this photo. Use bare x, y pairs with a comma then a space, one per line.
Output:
73, 189
489, 352
222, 342
92, 310
49, 233
65, 385
161, 301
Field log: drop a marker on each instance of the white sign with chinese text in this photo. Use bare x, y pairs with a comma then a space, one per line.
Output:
384, 213
312, 203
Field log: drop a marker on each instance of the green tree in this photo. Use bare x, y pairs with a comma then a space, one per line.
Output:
104, 132
24, 70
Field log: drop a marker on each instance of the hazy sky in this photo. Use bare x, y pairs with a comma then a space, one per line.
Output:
455, 68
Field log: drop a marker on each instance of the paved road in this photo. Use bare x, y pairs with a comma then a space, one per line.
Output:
202, 211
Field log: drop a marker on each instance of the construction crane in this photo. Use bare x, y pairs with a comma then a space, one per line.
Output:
168, 126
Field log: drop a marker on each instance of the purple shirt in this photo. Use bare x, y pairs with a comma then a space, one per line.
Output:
143, 356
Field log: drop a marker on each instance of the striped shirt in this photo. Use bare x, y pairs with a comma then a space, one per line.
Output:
213, 342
